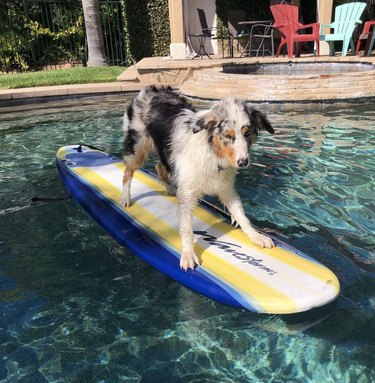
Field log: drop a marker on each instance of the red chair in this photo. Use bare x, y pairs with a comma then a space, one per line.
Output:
286, 21
368, 35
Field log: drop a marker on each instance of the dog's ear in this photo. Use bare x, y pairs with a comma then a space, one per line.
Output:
207, 121
259, 120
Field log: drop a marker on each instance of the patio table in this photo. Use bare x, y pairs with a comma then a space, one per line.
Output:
258, 29
202, 38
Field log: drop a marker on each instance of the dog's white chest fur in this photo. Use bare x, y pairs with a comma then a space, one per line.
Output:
197, 167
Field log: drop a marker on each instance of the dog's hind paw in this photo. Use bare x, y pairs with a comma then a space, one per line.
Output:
189, 260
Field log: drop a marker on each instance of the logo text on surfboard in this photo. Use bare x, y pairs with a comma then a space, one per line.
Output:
231, 249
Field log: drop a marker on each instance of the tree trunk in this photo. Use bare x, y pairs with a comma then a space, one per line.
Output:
95, 44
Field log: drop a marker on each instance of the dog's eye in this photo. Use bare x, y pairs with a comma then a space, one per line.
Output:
246, 131
248, 135
229, 137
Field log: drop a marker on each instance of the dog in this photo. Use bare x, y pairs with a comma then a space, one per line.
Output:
199, 153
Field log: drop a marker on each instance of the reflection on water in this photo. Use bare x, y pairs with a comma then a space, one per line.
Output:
77, 307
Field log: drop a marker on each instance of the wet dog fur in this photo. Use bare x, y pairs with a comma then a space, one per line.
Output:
199, 153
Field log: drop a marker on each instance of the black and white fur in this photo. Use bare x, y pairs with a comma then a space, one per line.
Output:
199, 152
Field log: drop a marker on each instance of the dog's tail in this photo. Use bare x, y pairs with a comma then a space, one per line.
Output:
127, 118
141, 103
136, 105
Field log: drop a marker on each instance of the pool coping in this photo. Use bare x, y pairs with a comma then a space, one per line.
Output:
184, 75
60, 91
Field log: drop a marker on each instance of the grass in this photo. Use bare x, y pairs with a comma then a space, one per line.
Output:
77, 75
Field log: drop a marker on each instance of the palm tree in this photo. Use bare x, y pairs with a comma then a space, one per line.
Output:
95, 44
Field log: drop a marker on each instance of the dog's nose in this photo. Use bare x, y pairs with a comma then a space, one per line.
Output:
243, 162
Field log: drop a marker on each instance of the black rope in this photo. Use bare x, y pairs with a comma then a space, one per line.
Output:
49, 199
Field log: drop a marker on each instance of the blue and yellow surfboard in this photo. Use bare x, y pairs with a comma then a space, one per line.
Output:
233, 271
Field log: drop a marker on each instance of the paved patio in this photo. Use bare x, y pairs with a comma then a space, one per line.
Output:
205, 79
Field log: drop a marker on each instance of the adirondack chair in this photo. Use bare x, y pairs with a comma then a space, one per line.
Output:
367, 34
347, 17
286, 21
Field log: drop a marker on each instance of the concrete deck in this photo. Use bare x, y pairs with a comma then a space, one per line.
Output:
203, 78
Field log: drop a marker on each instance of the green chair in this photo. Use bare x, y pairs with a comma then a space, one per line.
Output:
347, 17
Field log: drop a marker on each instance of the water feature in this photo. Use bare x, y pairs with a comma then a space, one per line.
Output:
77, 307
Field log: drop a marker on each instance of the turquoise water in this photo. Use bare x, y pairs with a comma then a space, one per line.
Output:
77, 307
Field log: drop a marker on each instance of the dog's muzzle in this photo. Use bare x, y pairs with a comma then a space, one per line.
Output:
243, 162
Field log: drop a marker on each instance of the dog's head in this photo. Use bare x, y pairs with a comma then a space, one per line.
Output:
232, 127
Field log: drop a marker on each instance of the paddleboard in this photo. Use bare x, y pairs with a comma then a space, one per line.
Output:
233, 271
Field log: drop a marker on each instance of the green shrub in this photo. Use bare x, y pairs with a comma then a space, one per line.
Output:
13, 43
146, 28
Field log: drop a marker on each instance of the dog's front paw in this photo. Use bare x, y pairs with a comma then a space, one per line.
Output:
125, 200
188, 260
170, 189
263, 241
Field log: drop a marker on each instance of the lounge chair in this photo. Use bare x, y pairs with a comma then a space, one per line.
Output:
347, 17
286, 21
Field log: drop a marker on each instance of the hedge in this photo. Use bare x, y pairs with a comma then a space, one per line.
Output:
147, 28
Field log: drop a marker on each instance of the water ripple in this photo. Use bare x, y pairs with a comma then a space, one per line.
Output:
77, 307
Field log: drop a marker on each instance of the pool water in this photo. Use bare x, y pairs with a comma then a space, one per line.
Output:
75, 306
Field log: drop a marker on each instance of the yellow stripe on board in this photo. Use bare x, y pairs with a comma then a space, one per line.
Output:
250, 287
218, 224
253, 289
62, 152
146, 180
278, 253
281, 255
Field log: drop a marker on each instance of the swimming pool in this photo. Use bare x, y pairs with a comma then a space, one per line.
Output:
77, 307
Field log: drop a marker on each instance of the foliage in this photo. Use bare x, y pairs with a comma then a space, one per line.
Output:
137, 29
56, 32
12, 40
76, 75
36, 33
160, 32
64, 45
39, 33
146, 28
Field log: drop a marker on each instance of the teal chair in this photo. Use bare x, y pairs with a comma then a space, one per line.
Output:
347, 17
